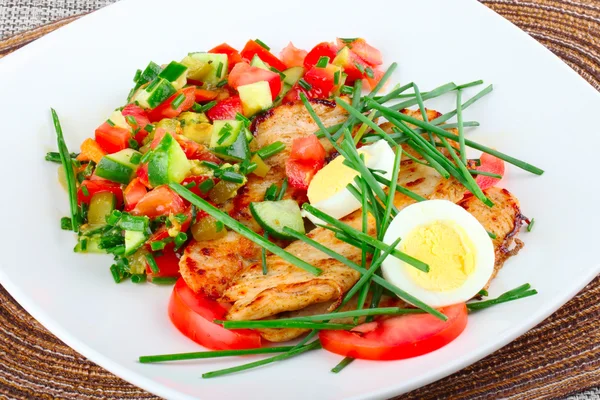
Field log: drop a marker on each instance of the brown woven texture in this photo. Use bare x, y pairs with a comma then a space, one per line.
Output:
559, 357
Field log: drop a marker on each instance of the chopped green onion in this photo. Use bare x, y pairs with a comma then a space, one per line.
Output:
242, 118
133, 144
108, 121
492, 235
263, 253
484, 173
348, 40
212, 165
211, 354
231, 176
238, 227
65, 158
270, 150
207, 106
283, 189
369, 72
271, 192
284, 323
163, 280
132, 121
346, 89
129, 222
180, 240
55, 157
178, 101
158, 245
114, 271
224, 136
323, 61
146, 157
336, 77
136, 158
219, 69
515, 294
483, 292
281, 74
197, 108
138, 278
222, 83
530, 225
206, 186
470, 84
343, 364
137, 75
304, 85
359, 67
114, 217
262, 44
66, 224
152, 263
85, 190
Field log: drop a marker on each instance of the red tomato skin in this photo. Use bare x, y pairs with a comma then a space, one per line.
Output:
306, 158
196, 151
193, 315
489, 163
112, 138
157, 202
365, 51
245, 74
197, 180
370, 83
142, 174
133, 193
165, 109
299, 175
399, 337
99, 186
292, 56
252, 48
324, 49
167, 262
138, 113
322, 80
225, 109
233, 56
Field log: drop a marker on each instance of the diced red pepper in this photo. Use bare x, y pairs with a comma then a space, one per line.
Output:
252, 48
225, 109
112, 138
233, 56
166, 110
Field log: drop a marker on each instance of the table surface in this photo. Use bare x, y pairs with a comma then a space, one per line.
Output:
560, 358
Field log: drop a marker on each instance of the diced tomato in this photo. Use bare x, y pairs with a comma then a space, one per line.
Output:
324, 49
197, 180
166, 110
167, 262
397, 337
321, 81
252, 48
370, 83
292, 56
245, 74
353, 66
137, 113
233, 56
142, 174
140, 136
112, 138
306, 158
91, 151
133, 193
194, 314
157, 202
203, 95
99, 186
225, 109
163, 232
196, 151
489, 163
365, 51
159, 134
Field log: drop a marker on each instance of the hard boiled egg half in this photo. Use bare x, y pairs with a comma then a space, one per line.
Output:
457, 248
327, 191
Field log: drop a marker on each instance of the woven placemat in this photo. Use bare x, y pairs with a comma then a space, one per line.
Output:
559, 357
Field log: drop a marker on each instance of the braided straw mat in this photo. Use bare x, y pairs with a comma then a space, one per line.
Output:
558, 358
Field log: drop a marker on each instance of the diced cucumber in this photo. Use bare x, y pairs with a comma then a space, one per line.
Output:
118, 119
255, 97
293, 75
262, 168
149, 74
236, 151
167, 163
88, 244
225, 132
101, 205
175, 73
133, 241
218, 67
117, 167
197, 70
273, 216
155, 93
257, 62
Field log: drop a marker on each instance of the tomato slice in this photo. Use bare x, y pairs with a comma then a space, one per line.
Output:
193, 315
398, 337
306, 158
245, 74
233, 56
99, 186
157, 202
203, 95
166, 110
365, 51
489, 163
225, 109
252, 48
133, 193
324, 49
112, 138
292, 56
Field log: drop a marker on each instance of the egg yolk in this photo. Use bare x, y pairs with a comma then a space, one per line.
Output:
448, 251
331, 179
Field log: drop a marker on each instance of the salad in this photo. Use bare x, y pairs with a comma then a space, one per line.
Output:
286, 197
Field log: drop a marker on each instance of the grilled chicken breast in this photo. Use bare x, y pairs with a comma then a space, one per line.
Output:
207, 267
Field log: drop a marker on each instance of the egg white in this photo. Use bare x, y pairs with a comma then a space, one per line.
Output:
427, 212
380, 157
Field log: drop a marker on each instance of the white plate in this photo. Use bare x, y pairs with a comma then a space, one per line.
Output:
540, 111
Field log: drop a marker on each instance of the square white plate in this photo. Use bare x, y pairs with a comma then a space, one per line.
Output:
540, 111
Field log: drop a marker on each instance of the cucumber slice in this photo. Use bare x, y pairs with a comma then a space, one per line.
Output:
133, 241
167, 163
255, 97
225, 132
155, 93
117, 167
101, 205
257, 62
216, 73
293, 75
175, 73
89, 244
273, 216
